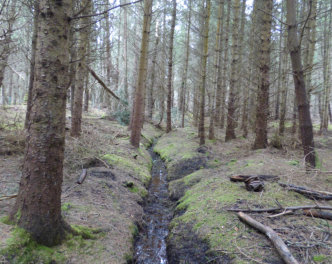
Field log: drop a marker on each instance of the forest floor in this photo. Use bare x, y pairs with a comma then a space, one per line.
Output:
111, 198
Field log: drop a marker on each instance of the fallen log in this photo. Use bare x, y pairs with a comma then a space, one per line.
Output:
277, 242
82, 176
243, 178
7, 197
312, 194
318, 214
279, 209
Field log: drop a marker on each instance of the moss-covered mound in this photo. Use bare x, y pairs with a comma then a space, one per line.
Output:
204, 231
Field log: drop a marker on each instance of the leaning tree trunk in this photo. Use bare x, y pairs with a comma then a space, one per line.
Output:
139, 92
201, 131
231, 122
264, 19
38, 205
300, 89
170, 72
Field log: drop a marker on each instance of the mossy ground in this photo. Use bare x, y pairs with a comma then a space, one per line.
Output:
206, 194
21, 248
103, 201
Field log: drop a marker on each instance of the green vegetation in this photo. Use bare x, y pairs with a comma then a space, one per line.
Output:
140, 170
320, 258
21, 248
66, 206
294, 162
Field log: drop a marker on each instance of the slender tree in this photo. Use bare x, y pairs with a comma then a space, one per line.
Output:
231, 122
185, 70
300, 89
216, 93
265, 20
32, 60
207, 12
81, 71
170, 71
139, 93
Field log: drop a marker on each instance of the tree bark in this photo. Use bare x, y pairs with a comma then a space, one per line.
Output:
32, 61
139, 93
201, 131
38, 205
300, 89
81, 72
185, 70
170, 71
225, 66
231, 122
153, 75
265, 20
216, 93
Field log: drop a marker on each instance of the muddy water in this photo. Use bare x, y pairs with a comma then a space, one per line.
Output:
151, 244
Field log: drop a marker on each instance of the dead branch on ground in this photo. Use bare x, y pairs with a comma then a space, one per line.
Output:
280, 246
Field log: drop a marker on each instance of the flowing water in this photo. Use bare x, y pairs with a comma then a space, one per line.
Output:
151, 244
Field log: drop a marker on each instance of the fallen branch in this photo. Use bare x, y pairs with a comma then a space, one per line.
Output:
318, 214
94, 74
243, 178
280, 214
312, 194
7, 197
279, 209
281, 247
82, 176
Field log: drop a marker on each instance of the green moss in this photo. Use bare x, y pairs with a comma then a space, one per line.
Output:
232, 162
142, 171
18, 215
66, 206
320, 258
86, 232
294, 162
6, 220
319, 164
205, 202
21, 248
182, 149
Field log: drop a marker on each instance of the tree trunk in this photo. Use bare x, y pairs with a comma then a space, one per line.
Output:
216, 93
264, 18
300, 89
225, 66
327, 71
32, 62
153, 75
231, 122
81, 71
185, 70
38, 205
170, 71
139, 92
310, 47
201, 131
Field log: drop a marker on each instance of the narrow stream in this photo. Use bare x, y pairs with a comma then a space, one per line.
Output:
151, 244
